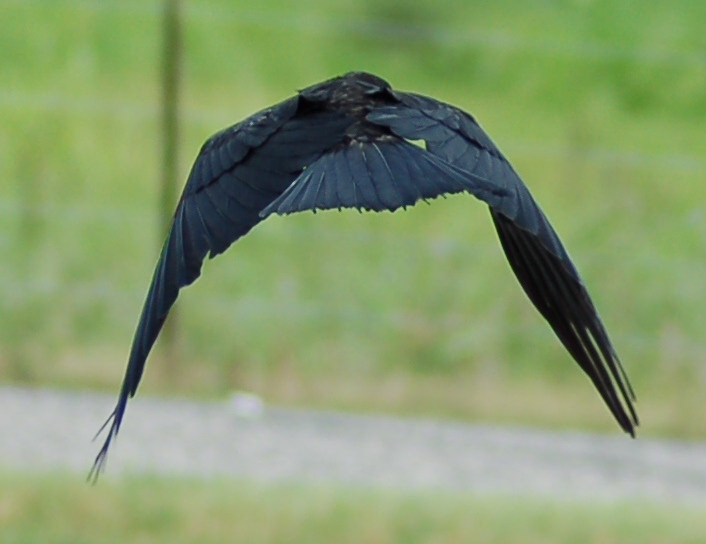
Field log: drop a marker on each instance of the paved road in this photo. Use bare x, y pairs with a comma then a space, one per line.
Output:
45, 429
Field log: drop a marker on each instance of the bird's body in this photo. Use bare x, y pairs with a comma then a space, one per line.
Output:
346, 143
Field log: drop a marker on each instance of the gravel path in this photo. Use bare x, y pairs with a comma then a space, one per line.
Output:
45, 429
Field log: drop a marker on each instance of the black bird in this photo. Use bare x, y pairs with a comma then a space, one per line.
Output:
346, 143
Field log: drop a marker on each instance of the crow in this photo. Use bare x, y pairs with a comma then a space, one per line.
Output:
350, 142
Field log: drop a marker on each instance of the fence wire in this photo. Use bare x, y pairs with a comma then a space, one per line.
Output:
315, 23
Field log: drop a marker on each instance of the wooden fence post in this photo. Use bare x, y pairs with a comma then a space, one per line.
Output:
171, 60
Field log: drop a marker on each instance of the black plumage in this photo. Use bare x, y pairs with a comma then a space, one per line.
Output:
346, 143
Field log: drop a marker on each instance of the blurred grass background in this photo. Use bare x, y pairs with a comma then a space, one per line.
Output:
58, 509
600, 106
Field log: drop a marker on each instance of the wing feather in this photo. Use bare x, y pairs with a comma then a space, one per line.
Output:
384, 181
360, 177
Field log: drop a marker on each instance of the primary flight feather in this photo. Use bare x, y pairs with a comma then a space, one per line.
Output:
345, 143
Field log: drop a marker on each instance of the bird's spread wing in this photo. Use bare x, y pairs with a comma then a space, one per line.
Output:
531, 245
237, 173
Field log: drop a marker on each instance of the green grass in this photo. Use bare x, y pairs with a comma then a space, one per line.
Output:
56, 509
413, 312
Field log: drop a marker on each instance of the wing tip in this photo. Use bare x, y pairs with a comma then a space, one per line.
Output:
631, 422
115, 420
